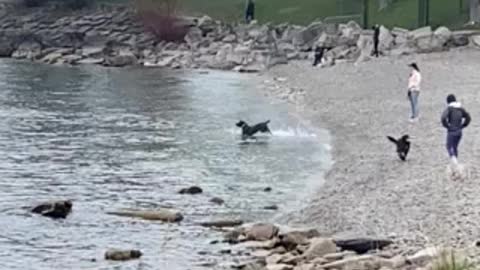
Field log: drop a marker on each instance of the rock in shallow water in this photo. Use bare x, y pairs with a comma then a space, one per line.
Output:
56, 209
221, 223
122, 255
191, 190
165, 215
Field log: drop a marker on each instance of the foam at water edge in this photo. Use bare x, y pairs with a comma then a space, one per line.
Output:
290, 132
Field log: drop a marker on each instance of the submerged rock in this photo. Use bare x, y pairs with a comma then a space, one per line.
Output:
191, 190
56, 209
122, 255
217, 200
165, 215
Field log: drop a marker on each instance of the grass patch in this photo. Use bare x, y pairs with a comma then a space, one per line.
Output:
449, 260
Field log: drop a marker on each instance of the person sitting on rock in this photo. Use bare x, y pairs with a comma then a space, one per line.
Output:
318, 56
250, 11
376, 40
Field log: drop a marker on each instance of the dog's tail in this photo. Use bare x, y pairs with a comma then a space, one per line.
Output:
266, 122
392, 139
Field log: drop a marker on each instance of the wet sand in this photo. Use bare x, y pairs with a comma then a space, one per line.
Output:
369, 191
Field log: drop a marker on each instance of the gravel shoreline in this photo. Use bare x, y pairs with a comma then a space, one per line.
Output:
368, 191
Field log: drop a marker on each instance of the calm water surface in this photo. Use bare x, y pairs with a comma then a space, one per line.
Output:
131, 138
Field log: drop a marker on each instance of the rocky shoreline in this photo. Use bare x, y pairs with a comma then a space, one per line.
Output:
117, 38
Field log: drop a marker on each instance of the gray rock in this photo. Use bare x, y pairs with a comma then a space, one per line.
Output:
363, 245
349, 33
217, 200
71, 59
122, 255
124, 58
52, 58
91, 61
443, 34
55, 209
29, 50
261, 232
306, 38
193, 37
459, 39
222, 223
279, 267
193, 190
166, 215
92, 52
229, 38
475, 40
386, 39
320, 247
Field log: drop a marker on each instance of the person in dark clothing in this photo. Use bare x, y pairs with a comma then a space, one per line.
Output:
250, 11
319, 50
376, 39
455, 118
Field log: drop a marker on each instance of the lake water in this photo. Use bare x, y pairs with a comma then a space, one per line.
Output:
131, 138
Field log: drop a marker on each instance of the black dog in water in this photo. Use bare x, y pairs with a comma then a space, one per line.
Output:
248, 131
403, 146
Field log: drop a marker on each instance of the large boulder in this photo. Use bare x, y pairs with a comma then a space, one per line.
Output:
320, 247
193, 37
425, 41
56, 209
476, 40
365, 46
28, 50
327, 40
443, 34
122, 59
349, 33
306, 38
261, 232
165, 215
363, 245
6, 47
459, 39
400, 35
386, 39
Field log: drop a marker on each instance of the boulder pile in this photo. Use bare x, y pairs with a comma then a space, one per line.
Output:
117, 38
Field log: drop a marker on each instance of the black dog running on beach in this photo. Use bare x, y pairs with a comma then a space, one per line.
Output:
249, 131
403, 146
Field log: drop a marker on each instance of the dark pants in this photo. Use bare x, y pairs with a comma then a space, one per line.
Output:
375, 48
453, 140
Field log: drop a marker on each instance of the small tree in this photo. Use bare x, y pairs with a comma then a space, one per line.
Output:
160, 18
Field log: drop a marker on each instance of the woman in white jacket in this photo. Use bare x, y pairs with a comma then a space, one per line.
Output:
414, 90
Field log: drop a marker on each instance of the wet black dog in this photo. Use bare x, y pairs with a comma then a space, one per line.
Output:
249, 131
403, 146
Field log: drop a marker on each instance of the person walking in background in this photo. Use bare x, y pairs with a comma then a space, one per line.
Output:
454, 119
376, 39
414, 90
318, 56
250, 11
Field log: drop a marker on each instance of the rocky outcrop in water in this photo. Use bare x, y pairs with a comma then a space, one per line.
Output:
55, 209
117, 39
